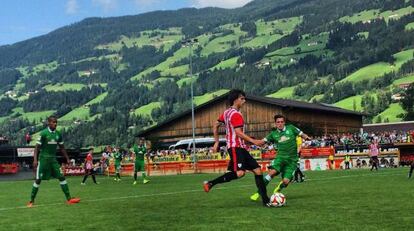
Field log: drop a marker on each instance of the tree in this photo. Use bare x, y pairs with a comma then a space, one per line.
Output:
408, 103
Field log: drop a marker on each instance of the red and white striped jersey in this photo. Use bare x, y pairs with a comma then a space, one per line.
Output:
232, 119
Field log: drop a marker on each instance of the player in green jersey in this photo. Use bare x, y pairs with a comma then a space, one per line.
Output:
118, 159
140, 153
284, 137
45, 162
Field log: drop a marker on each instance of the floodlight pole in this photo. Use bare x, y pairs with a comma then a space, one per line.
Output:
190, 43
192, 100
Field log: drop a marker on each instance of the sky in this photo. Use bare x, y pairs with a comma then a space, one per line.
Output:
24, 19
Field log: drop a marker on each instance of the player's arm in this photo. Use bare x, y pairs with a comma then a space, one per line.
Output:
216, 126
36, 155
304, 136
64, 153
241, 134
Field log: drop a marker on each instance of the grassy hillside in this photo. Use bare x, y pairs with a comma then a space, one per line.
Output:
284, 93
409, 26
270, 31
146, 109
349, 102
391, 113
64, 87
82, 112
209, 96
228, 63
381, 68
157, 38
367, 15
223, 43
407, 79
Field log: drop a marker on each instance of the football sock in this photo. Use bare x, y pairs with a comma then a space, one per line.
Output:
261, 188
227, 177
144, 176
267, 179
35, 189
281, 186
65, 189
135, 176
118, 176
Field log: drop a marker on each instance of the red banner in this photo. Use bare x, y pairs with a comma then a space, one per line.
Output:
73, 171
9, 168
316, 152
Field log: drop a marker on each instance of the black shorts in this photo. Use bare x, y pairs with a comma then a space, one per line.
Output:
240, 159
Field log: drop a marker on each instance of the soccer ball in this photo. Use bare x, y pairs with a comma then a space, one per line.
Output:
278, 199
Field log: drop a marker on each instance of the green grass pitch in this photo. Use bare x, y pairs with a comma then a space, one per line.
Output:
329, 200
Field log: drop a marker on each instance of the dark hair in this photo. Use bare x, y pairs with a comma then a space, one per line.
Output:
52, 117
234, 94
277, 116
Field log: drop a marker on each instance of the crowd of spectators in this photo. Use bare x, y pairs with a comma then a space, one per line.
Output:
356, 139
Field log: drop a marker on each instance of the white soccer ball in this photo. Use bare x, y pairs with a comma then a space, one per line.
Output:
278, 199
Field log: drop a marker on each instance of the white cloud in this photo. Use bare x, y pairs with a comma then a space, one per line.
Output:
72, 7
220, 3
106, 5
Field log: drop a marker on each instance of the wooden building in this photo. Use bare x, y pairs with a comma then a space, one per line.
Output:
258, 112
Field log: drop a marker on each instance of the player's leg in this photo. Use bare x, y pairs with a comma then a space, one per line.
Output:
411, 170
57, 173
289, 167
249, 163
261, 186
231, 174
274, 170
93, 176
136, 169
42, 172
85, 176
301, 175
35, 189
117, 172
143, 174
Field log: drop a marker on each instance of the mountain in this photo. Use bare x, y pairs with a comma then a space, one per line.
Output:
108, 78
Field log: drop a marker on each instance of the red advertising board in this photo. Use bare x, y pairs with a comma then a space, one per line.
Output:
316, 152
9, 168
73, 171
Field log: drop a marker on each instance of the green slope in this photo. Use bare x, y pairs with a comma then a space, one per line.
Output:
381, 68
209, 96
391, 113
284, 93
348, 103
366, 15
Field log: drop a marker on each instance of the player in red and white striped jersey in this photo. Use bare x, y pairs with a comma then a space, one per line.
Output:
240, 158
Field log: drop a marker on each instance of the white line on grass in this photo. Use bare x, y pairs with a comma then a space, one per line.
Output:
190, 191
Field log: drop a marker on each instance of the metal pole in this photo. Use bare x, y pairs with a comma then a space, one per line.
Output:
192, 101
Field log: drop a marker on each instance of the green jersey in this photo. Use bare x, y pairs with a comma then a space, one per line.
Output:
140, 152
118, 158
285, 140
48, 141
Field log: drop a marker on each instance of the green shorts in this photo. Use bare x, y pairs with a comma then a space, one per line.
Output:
48, 168
285, 166
139, 166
